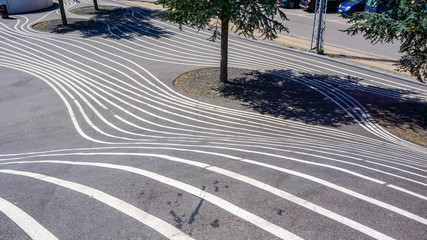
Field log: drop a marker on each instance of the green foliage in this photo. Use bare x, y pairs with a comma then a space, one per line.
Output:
247, 16
405, 22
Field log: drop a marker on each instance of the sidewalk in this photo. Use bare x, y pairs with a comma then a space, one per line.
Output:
333, 51
341, 53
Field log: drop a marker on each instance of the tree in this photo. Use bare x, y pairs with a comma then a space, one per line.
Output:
95, 5
405, 21
246, 17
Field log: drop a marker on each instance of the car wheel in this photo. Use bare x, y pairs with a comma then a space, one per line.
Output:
291, 4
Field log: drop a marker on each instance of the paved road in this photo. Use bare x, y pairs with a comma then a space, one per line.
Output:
301, 24
95, 143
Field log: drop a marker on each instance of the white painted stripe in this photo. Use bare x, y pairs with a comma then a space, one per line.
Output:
304, 161
258, 184
233, 209
346, 221
327, 158
373, 127
395, 168
228, 206
262, 51
106, 134
25, 221
408, 192
153, 222
141, 109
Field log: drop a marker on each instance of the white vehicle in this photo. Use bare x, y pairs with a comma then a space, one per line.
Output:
20, 6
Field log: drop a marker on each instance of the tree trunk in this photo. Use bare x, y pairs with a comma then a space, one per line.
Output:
62, 10
224, 50
95, 5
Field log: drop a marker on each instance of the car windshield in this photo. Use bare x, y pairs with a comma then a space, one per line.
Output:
354, 1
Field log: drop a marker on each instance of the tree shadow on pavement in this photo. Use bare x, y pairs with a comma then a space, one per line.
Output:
288, 95
108, 23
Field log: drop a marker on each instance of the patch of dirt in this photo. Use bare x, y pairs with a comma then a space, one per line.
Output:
273, 95
405, 120
92, 11
74, 25
205, 82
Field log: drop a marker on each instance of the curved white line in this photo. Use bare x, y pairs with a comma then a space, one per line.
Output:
269, 166
151, 221
27, 223
231, 208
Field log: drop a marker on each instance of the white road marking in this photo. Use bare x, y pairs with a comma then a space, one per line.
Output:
408, 192
27, 223
153, 222
354, 143
230, 207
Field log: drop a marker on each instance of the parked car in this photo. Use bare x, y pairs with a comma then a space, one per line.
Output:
351, 6
378, 5
288, 3
310, 5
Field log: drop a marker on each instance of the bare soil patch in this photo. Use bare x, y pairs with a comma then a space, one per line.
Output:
405, 120
92, 11
74, 25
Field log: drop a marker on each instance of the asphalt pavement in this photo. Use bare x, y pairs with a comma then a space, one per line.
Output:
96, 143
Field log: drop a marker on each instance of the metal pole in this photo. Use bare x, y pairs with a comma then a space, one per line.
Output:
313, 37
62, 10
320, 28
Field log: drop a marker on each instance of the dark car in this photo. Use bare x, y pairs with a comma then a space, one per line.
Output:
351, 6
310, 5
288, 3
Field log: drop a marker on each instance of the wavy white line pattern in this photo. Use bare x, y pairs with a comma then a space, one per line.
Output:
135, 125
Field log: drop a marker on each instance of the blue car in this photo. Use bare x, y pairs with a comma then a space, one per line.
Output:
378, 6
288, 3
351, 6
310, 5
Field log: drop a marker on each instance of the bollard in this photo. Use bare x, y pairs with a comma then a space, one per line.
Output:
3, 11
